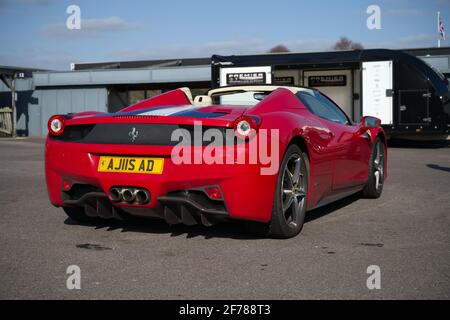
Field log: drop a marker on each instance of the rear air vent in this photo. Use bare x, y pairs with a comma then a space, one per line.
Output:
130, 134
74, 133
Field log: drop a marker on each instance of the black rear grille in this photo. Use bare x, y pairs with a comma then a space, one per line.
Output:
200, 198
135, 134
78, 191
74, 133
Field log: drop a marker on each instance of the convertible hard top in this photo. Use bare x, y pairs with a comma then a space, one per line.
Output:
256, 88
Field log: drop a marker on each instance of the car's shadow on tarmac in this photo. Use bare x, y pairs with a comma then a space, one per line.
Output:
408, 144
438, 167
330, 208
230, 229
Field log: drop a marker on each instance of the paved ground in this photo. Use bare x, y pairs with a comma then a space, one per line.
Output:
405, 233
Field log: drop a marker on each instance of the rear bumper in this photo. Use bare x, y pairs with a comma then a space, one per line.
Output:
174, 209
246, 193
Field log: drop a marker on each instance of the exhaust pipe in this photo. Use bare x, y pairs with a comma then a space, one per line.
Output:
115, 194
141, 196
128, 195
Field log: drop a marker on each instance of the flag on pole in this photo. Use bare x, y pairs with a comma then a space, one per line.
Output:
441, 28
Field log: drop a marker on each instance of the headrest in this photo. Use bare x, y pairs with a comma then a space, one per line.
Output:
204, 100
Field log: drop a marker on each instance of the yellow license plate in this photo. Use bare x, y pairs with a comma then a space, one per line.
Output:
131, 165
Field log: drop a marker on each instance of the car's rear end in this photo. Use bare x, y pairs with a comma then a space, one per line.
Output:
112, 165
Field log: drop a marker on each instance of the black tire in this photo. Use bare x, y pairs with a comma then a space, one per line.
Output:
373, 189
78, 214
287, 222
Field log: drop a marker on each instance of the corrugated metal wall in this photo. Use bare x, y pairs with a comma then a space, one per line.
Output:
49, 93
59, 101
36, 105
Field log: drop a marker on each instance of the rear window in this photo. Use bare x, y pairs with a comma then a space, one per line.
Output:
250, 98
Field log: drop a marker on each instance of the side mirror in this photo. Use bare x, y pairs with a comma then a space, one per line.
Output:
369, 122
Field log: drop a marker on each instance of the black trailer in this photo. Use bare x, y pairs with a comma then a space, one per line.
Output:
411, 98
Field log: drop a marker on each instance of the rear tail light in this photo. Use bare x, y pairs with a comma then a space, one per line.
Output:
67, 185
56, 125
245, 127
214, 193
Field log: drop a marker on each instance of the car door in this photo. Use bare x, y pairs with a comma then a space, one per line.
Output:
351, 167
321, 139
348, 149
351, 150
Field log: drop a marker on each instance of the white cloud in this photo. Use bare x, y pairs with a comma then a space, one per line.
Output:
310, 45
443, 2
4, 3
89, 28
41, 59
226, 47
169, 51
257, 46
412, 41
60, 60
38, 2
405, 12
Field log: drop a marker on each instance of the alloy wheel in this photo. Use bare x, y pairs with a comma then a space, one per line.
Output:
378, 163
293, 197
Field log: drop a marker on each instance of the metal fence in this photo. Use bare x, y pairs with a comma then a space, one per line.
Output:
6, 126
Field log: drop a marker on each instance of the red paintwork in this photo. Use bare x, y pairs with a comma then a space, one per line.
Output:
171, 98
338, 154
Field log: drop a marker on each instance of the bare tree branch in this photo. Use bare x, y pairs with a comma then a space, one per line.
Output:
279, 48
345, 43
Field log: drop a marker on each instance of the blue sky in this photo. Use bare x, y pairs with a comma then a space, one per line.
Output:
33, 32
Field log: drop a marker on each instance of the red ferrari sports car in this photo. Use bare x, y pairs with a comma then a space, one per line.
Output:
264, 154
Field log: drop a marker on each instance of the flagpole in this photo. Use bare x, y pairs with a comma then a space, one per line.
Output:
438, 25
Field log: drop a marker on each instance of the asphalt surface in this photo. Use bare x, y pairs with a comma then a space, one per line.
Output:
406, 233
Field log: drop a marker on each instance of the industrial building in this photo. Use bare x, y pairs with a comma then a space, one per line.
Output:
110, 86
100, 87
408, 94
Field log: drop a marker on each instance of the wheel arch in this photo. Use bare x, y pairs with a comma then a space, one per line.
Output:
382, 135
301, 143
